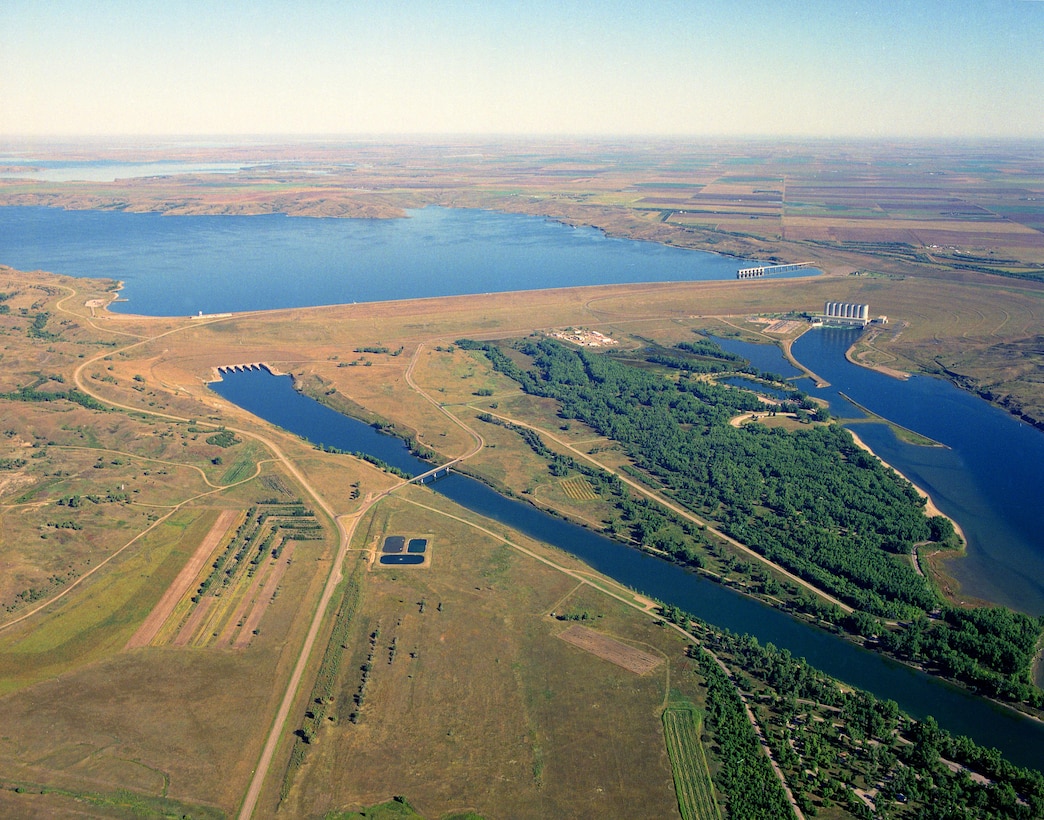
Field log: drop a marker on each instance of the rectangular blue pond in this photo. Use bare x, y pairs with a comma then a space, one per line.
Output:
402, 559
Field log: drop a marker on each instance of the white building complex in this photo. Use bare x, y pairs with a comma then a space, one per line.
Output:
846, 313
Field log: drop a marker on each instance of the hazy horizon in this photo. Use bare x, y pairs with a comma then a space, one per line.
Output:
218, 140
720, 69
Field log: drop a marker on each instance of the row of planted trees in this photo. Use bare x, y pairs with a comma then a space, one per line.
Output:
834, 742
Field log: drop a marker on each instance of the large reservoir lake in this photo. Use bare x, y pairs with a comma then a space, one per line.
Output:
988, 476
93, 170
183, 265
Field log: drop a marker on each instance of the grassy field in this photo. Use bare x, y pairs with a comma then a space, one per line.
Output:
189, 697
472, 701
468, 686
682, 727
95, 619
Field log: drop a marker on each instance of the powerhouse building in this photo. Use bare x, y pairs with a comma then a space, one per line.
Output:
846, 313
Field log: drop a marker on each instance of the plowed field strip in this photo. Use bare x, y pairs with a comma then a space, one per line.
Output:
216, 614
234, 592
264, 596
610, 649
190, 626
228, 634
182, 583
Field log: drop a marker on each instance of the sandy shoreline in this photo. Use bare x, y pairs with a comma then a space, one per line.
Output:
929, 508
902, 375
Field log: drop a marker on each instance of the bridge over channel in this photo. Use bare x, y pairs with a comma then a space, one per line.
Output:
768, 270
434, 474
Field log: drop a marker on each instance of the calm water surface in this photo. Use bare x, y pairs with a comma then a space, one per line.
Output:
757, 387
989, 476
177, 266
106, 170
274, 399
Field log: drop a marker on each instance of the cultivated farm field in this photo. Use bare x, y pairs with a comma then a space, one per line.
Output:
114, 480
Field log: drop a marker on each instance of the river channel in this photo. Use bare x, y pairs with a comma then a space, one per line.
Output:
1020, 739
987, 474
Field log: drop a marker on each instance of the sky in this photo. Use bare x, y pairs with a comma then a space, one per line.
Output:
797, 68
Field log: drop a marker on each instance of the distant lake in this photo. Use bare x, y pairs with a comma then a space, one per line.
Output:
181, 265
39, 170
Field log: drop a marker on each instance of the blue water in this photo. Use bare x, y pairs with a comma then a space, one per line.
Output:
266, 396
757, 387
989, 477
1021, 740
176, 266
107, 170
402, 559
766, 358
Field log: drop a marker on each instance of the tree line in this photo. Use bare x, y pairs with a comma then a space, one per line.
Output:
808, 500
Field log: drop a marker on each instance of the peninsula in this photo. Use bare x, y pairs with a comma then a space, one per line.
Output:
195, 601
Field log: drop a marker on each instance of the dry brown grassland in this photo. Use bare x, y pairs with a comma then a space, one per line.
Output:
472, 702
183, 717
931, 210
481, 707
84, 715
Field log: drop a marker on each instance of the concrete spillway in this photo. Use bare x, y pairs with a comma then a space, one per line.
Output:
768, 270
242, 368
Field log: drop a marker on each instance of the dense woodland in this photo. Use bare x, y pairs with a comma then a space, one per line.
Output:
809, 500
831, 740
745, 775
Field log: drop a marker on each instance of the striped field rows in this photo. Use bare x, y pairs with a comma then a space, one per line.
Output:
578, 489
692, 781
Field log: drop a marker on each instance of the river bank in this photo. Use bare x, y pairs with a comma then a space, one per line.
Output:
985, 474
716, 603
930, 509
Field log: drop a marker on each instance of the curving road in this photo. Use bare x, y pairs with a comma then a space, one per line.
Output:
346, 525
